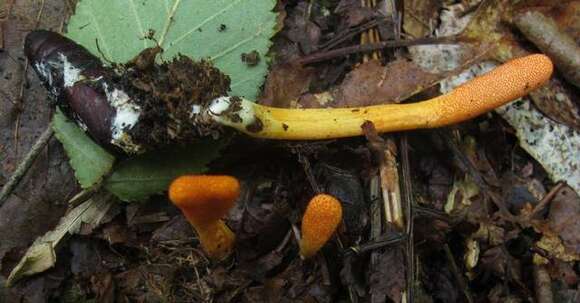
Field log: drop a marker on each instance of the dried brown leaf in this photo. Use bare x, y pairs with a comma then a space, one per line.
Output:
387, 278
176, 229
300, 30
564, 218
558, 102
420, 16
286, 83
371, 83
567, 16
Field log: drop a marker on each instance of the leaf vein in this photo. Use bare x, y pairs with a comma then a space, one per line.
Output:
235, 46
138, 21
168, 22
166, 4
202, 23
99, 32
242, 81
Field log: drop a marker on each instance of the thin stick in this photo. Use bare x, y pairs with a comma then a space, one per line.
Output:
25, 164
407, 196
369, 47
547, 199
348, 34
543, 283
23, 81
458, 276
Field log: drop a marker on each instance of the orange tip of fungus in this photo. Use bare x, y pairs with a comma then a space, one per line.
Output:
507, 82
321, 218
204, 200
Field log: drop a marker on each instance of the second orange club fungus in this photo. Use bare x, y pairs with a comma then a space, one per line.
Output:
321, 218
205, 200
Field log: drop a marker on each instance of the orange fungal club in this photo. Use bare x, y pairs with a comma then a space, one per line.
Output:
507, 82
205, 200
321, 218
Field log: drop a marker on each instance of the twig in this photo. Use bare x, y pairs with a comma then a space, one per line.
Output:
5, 12
340, 52
348, 35
457, 274
302, 159
421, 211
371, 35
23, 81
375, 213
543, 284
25, 164
553, 41
547, 199
407, 196
465, 165
386, 152
391, 239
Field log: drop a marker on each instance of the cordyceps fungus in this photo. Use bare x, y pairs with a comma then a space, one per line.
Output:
505, 83
321, 218
134, 116
205, 200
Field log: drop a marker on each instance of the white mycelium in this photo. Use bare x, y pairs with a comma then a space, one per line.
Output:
71, 74
195, 109
43, 69
126, 116
219, 110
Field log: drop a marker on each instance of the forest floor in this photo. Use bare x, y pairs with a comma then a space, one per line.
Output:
464, 213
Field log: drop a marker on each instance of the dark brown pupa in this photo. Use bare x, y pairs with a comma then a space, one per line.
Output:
79, 83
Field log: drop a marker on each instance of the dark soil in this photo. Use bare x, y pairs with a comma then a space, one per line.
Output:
167, 92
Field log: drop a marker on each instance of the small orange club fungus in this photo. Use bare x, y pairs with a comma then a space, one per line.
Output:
205, 200
321, 218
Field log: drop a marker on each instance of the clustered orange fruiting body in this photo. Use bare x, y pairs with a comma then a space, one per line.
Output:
321, 218
205, 200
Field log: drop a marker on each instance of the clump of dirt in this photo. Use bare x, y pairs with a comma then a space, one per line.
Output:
167, 92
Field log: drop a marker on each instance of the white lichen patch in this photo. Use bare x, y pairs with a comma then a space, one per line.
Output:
556, 146
473, 71
440, 58
71, 74
126, 116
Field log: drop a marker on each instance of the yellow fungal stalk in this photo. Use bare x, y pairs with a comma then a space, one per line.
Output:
507, 82
321, 218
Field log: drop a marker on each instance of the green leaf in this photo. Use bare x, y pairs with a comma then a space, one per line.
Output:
89, 161
218, 30
115, 30
137, 178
